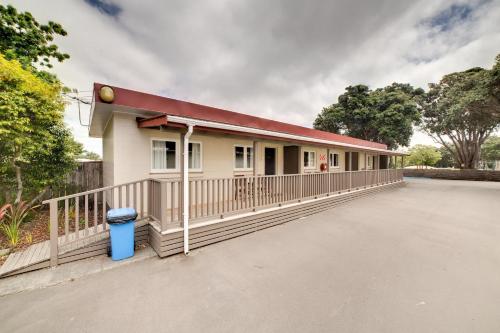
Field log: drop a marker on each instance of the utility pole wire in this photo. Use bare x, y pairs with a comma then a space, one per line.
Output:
79, 100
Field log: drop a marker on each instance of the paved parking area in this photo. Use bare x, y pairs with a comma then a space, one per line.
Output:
422, 258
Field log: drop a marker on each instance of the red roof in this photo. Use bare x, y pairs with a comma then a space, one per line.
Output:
169, 106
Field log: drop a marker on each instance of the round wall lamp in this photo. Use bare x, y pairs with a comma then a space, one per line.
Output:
106, 94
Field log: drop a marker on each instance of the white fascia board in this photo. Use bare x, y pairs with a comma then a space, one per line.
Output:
211, 124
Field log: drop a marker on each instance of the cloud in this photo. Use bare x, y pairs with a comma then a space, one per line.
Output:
105, 7
450, 17
279, 59
455, 15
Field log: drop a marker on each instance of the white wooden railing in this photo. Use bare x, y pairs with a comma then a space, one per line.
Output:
83, 215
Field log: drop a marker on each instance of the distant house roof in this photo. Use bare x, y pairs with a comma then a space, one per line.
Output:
158, 104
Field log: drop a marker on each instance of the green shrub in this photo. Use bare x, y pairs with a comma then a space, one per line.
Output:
11, 219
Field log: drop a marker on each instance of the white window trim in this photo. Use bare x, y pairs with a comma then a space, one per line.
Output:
200, 169
244, 157
309, 167
338, 160
177, 154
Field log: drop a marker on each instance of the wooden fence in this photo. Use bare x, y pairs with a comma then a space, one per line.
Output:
87, 176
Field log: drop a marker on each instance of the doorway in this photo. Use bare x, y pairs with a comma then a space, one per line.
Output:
270, 161
355, 158
291, 160
355, 161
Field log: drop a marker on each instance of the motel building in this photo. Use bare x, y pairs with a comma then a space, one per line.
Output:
198, 175
215, 168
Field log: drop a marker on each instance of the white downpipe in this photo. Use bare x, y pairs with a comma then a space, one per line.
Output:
185, 185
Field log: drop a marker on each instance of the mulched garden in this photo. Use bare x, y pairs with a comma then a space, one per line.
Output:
36, 230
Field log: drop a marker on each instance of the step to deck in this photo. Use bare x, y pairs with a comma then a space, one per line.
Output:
33, 255
94, 243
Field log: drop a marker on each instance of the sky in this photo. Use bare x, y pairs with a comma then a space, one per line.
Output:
284, 60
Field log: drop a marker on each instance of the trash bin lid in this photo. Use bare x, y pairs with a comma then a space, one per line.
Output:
121, 215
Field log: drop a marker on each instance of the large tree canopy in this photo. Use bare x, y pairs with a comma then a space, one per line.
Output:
384, 115
462, 110
23, 38
36, 149
423, 155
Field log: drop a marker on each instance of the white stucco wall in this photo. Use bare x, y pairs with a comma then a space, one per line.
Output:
127, 153
108, 155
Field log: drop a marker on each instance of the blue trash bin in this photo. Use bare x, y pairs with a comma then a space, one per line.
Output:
121, 230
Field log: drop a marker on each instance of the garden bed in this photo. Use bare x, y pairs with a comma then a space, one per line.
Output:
36, 230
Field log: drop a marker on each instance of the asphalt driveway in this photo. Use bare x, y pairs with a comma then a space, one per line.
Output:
423, 258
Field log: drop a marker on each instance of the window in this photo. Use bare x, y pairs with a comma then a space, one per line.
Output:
164, 155
309, 159
334, 160
243, 157
249, 157
194, 160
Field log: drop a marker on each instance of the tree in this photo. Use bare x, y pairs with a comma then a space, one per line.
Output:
23, 38
423, 155
490, 151
35, 147
462, 110
384, 115
90, 155
447, 159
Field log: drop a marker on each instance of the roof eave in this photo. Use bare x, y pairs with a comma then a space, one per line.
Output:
256, 131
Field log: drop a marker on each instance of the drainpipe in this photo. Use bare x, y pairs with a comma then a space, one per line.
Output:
185, 185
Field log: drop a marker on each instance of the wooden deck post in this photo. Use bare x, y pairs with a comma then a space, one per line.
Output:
378, 169
394, 166
366, 169
181, 188
149, 201
402, 166
163, 205
328, 170
301, 173
329, 180
328, 160
254, 166
53, 234
350, 170
301, 186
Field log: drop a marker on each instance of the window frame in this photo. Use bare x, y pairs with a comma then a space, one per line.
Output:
309, 167
245, 151
200, 169
177, 154
338, 160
